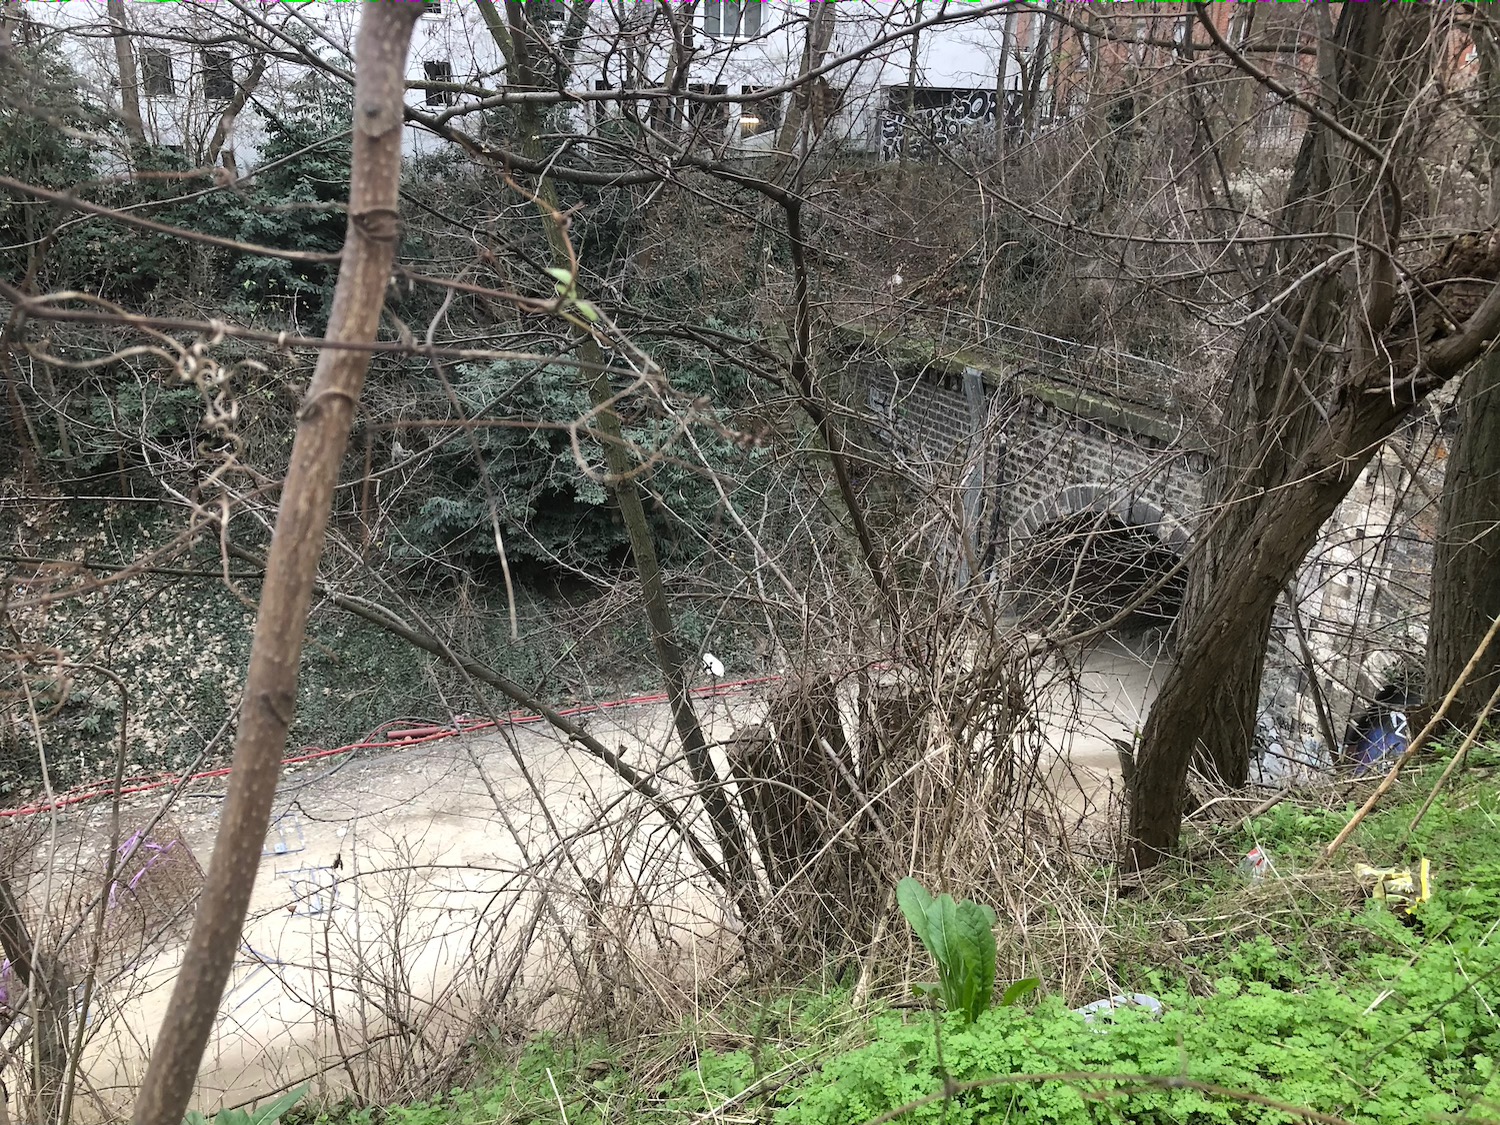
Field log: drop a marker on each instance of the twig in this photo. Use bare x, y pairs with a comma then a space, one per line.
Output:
562, 1109
1479, 721
1416, 745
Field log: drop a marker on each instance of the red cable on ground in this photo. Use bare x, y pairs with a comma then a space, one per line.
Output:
383, 739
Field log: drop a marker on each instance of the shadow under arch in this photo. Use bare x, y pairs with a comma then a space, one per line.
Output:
1091, 550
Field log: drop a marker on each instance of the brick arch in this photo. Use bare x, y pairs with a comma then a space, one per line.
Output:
1133, 511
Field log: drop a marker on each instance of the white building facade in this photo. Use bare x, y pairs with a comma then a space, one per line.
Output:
216, 69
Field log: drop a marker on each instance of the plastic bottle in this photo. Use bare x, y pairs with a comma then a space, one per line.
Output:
1256, 865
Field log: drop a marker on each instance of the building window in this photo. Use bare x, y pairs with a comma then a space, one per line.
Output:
156, 72
708, 118
731, 19
440, 70
432, 8
761, 116
218, 76
601, 107
550, 11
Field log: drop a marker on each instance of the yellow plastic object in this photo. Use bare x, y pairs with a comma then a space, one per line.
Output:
1397, 886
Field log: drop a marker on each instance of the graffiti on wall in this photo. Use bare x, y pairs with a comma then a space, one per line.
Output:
915, 121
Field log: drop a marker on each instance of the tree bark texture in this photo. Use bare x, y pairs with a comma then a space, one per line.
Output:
1327, 373
48, 996
1466, 563
243, 91
270, 694
130, 82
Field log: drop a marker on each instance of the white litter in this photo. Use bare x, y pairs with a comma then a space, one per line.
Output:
1256, 865
1137, 1000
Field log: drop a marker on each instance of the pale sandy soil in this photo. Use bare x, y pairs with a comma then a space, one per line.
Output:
395, 887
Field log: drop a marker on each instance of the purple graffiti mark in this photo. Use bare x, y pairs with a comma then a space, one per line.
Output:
127, 851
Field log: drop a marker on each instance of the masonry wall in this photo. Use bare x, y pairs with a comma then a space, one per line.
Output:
1050, 452
1362, 593
1041, 463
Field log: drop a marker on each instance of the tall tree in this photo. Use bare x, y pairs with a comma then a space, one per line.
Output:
522, 42
130, 84
1466, 563
1340, 352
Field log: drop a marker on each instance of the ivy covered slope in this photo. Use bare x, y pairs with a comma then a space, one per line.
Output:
1350, 1014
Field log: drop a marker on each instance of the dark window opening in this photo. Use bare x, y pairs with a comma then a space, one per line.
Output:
218, 76
761, 116
708, 118
432, 7
440, 70
549, 11
156, 72
601, 107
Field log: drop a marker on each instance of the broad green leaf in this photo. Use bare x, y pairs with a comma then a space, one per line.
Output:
941, 922
960, 936
587, 311
562, 276
271, 1113
1019, 991
977, 922
914, 902
947, 949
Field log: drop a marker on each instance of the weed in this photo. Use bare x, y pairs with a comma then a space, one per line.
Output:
267, 1114
961, 938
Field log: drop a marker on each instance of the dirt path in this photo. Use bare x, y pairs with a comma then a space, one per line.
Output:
383, 877
396, 887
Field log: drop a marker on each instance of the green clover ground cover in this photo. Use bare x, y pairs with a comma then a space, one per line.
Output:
1356, 1015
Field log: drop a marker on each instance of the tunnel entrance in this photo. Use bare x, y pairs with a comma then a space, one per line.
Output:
1094, 564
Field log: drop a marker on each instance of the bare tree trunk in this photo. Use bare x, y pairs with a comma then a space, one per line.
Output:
670, 657
270, 694
739, 874
1466, 565
23, 436
1007, 45
1466, 562
130, 82
242, 94
12, 23
910, 132
47, 988
1306, 417
1266, 425
1241, 101
820, 25
1208, 693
